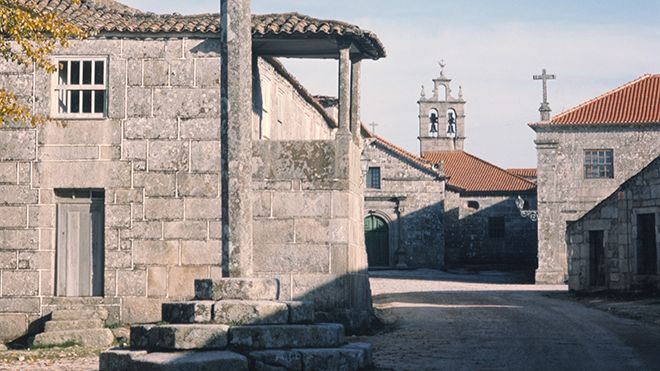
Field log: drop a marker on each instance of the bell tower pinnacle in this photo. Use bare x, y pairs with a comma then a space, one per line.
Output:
441, 117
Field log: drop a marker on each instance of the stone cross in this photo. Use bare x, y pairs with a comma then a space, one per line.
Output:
236, 137
373, 127
545, 107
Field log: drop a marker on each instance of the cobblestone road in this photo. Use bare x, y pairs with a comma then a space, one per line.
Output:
480, 322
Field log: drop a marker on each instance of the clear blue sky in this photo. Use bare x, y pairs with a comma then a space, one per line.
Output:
492, 49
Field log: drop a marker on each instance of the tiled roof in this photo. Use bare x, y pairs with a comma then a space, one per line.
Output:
637, 102
418, 161
523, 172
111, 16
472, 174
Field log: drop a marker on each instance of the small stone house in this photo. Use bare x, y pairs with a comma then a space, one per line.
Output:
616, 245
584, 154
118, 204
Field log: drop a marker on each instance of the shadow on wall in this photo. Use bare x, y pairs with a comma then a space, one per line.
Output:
496, 237
415, 238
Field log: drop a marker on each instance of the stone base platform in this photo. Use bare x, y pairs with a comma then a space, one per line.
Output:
238, 324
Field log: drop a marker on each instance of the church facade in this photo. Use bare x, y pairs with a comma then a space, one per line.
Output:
468, 206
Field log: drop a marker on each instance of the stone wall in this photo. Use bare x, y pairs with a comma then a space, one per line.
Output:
411, 201
156, 156
616, 216
308, 225
563, 192
467, 241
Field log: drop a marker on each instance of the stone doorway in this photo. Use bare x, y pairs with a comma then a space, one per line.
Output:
596, 258
376, 238
80, 224
647, 254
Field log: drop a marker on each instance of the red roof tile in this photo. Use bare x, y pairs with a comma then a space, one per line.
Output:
472, 174
427, 165
111, 16
637, 102
523, 172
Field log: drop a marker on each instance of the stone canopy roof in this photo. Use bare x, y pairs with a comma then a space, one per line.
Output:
469, 173
109, 16
635, 103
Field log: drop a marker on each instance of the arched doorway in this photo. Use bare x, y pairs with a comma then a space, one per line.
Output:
376, 237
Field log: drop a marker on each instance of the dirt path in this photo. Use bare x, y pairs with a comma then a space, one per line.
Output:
469, 322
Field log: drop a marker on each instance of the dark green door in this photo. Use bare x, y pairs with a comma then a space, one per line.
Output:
376, 237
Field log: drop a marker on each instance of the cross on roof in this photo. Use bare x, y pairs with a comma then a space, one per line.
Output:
373, 127
545, 107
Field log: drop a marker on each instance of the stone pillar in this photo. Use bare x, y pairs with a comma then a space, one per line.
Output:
344, 89
355, 98
236, 137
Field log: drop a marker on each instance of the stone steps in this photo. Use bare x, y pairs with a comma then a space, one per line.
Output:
238, 312
237, 289
80, 314
132, 360
238, 324
96, 338
60, 325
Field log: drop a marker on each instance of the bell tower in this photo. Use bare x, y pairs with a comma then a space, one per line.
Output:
441, 117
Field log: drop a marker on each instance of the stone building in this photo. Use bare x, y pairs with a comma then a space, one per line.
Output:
584, 154
404, 205
446, 207
616, 245
119, 207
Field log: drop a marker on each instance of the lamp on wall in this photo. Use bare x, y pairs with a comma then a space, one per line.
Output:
364, 163
531, 214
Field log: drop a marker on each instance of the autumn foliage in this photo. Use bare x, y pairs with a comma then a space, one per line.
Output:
28, 37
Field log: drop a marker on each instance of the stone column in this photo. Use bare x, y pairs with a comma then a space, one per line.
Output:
236, 137
344, 89
355, 98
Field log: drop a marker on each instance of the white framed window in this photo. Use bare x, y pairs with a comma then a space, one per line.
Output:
80, 87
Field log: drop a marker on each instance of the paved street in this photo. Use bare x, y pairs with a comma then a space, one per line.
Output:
479, 322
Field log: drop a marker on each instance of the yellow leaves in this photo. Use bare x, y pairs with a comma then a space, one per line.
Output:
13, 110
26, 37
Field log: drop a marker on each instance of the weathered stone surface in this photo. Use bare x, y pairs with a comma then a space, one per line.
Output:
140, 310
13, 216
96, 338
188, 312
150, 128
366, 357
200, 129
19, 283
156, 184
185, 230
182, 72
19, 239
325, 335
83, 174
19, 305
12, 326
132, 283
181, 280
268, 360
247, 312
18, 194
17, 145
69, 153
300, 311
155, 252
163, 208
168, 155
201, 252
122, 360
8, 172
117, 359
198, 185
73, 324
180, 337
205, 157
156, 72
331, 359
78, 314
237, 289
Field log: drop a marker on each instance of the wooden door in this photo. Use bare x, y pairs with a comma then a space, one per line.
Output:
376, 237
596, 258
80, 247
647, 253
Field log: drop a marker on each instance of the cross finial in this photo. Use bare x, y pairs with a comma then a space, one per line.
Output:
545, 107
373, 127
442, 65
